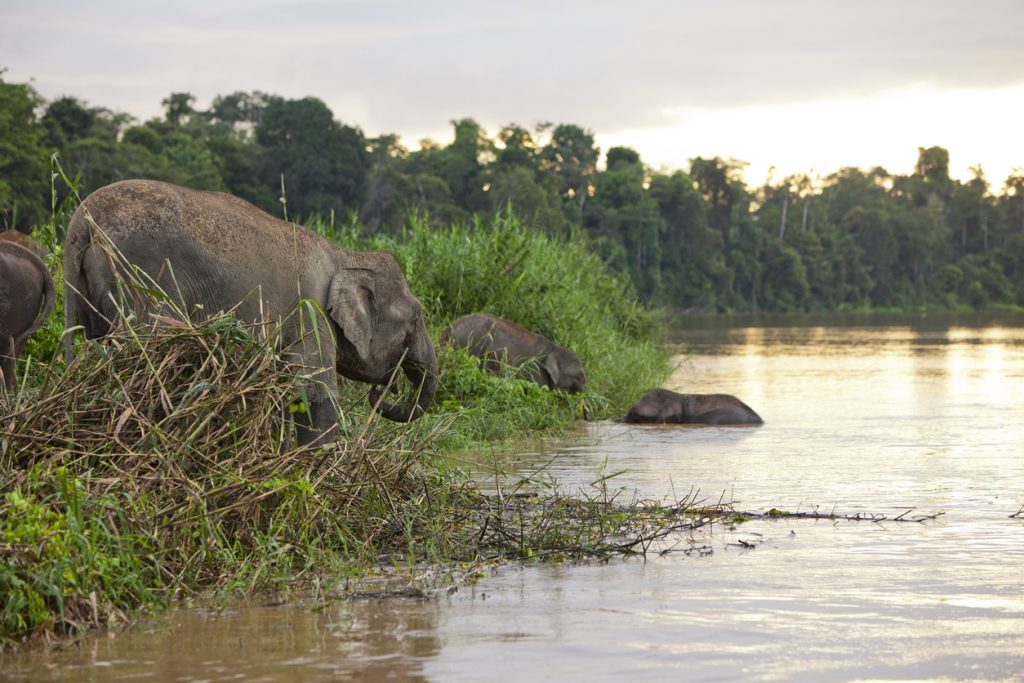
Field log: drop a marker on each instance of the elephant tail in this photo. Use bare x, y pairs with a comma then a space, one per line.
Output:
49, 301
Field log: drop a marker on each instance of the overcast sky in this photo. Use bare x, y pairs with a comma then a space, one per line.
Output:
804, 85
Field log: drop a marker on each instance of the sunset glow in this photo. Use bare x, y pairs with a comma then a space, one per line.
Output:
819, 137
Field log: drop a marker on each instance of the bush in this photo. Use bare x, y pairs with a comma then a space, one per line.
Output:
556, 287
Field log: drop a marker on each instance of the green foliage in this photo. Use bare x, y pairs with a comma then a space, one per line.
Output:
156, 467
698, 239
489, 408
45, 345
68, 564
324, 163
22, 157
553, 286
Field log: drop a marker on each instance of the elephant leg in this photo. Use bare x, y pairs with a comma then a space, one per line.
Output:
8, 368
316, 352
320, 425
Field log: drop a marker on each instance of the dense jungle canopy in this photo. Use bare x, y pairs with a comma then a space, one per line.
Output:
699, 239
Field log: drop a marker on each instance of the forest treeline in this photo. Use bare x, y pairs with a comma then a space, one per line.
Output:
699, 239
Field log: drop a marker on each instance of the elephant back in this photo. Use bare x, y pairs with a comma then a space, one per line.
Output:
28, 279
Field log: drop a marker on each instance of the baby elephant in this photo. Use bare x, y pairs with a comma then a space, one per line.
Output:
498, 340
664, 406
26, 286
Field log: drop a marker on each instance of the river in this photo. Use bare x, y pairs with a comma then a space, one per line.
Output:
868, 415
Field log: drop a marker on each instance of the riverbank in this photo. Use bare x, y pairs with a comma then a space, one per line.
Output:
157, 466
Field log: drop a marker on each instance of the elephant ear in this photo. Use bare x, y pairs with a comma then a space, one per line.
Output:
349, 304
553, 369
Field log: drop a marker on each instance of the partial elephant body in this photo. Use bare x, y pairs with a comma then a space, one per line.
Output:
497, 340
27, 297
668, 407
213, 252
20, 238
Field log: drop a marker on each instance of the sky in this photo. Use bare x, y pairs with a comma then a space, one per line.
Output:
788, 86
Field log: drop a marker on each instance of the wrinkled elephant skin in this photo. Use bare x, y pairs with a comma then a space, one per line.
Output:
661, 406
498, 340
27, 297
213, 252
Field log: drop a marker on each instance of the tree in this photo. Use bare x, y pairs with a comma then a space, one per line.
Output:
178, 108
67, 119
723, 190
324, 164
694, 274
571, 156
624, 215
24, 188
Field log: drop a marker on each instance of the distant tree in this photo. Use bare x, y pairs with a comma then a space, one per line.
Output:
462, 164
517, 148
571, 156
24, 190
723, 190
693, 270
240, 111
325, 164
623, 214
391, 192
67, 119
178, 108
933, 164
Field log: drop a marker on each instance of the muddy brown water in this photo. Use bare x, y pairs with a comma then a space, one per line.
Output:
862, 415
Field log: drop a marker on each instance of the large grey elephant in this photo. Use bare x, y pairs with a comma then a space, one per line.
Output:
27, 297
212, 252
498, 340
664, 406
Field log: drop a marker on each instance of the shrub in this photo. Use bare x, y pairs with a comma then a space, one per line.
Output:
556, 287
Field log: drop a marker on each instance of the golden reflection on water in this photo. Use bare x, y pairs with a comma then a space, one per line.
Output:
869, 419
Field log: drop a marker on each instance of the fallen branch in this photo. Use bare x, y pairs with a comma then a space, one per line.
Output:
775, 513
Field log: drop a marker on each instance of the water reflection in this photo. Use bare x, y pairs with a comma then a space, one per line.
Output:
920, 414
364, 639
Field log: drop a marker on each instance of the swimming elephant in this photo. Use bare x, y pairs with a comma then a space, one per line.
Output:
495, 339
212, 252
664, 406
27, 297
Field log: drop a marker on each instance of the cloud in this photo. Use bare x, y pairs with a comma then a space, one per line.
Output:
410, 67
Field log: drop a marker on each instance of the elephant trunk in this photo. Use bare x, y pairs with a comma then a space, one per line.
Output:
420, 368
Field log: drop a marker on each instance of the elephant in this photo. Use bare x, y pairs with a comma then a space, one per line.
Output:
12, 235
664, 406
27, 297
495, 339
211, 252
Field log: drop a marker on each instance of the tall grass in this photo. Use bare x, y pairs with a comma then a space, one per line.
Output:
556, 287
158, 466
159, 463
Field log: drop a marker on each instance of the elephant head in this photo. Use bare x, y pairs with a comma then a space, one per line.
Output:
563, 369
382, 329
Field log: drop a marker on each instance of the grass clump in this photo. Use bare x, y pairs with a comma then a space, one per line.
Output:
168, 445
553, 286
158, 465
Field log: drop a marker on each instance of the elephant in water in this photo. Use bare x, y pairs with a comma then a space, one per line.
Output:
664, 406
27, 297
495, 340
213, 252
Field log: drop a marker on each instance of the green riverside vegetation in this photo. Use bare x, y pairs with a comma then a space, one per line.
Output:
158, 466
696, 238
